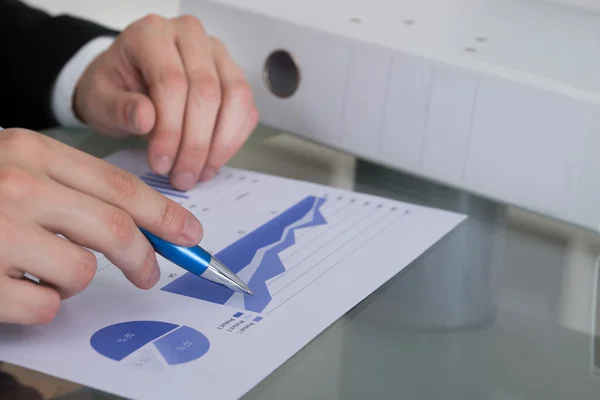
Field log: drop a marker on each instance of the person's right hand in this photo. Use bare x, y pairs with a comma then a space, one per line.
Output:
48, 188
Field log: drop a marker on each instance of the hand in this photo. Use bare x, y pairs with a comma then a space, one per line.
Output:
170, 79
48, 188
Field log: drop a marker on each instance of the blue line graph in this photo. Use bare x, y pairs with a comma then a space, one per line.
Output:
161, 184
258, 252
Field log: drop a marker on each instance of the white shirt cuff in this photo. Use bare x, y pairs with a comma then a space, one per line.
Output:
64, 87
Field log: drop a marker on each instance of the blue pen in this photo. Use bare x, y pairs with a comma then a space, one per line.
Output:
197, 261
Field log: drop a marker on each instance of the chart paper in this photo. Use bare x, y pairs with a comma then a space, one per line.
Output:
308, 252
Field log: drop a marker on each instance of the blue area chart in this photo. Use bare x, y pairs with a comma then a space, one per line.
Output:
276, 235
176, 344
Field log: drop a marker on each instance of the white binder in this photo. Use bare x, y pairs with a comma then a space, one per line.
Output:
497, 97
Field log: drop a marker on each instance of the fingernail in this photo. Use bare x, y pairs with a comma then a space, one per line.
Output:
155, 274
132, 113
192, 231
184, 180
163, 164
207, 174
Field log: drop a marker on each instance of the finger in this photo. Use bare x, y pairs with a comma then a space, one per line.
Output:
238, 115
65, 266
153, 52
203, 101
23, 302
221, 154
99, 226
110, 184
119, 112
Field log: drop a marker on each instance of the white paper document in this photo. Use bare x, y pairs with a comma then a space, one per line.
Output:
308, 252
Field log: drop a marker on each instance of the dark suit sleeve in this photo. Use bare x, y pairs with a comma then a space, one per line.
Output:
34, 46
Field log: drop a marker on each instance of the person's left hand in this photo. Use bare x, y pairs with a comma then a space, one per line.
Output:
167, 78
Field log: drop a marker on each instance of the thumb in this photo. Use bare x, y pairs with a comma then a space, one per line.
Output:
115, 111
129, 112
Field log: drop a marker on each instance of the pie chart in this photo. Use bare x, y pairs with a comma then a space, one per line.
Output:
150, 344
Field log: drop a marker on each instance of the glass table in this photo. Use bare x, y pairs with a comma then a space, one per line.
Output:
502, 308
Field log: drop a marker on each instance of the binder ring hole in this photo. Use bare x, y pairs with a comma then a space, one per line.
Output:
281, 74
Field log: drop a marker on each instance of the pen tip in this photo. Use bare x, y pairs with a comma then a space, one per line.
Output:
220, 273
242, 287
